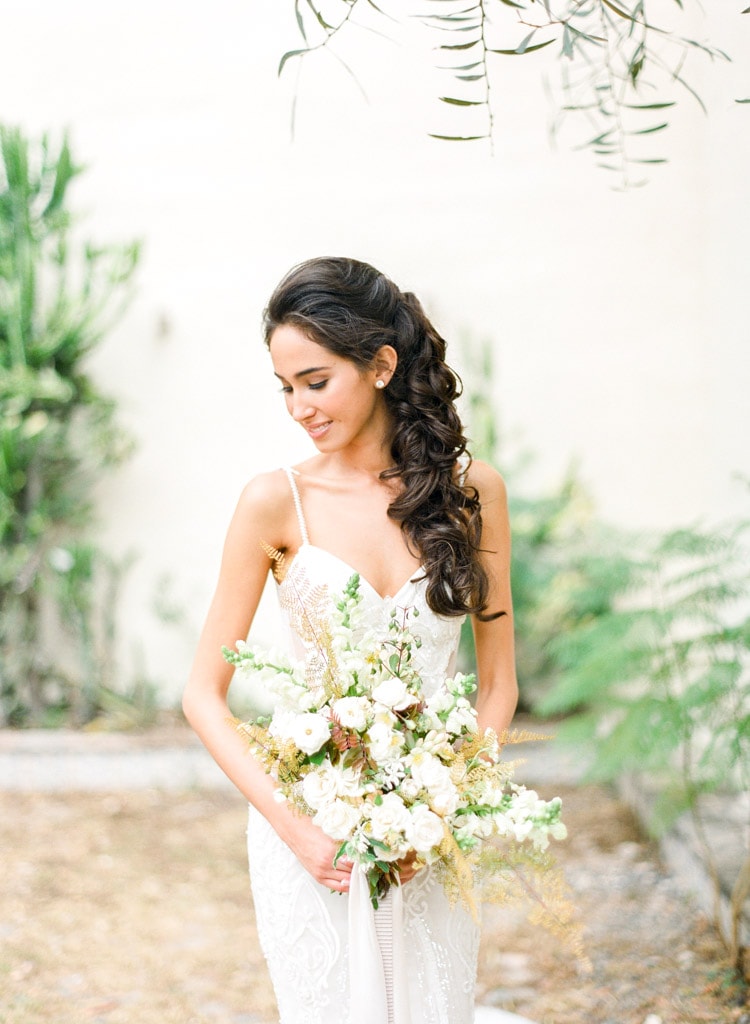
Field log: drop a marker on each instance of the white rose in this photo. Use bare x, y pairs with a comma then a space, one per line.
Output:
320, 786
310, 732
338, 819
427, 771
385, 743
352, 712
444, 800
409, 789
393, 693
425, 829
389, 816
348, 782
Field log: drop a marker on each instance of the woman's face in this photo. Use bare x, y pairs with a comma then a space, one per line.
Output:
335, 401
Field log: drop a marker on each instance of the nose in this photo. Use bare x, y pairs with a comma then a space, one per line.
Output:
300, 408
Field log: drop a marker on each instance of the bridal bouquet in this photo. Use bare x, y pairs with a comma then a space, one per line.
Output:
383, 768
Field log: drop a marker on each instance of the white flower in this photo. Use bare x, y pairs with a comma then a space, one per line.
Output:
444, 801
385, 743
310, 732
389, 816
425, 829
337, 819
462, 718
352, 712
558, 830
282, 723
468, 824
320, 786
427, 771
409, 789
348, 782
394, 693
440, 702
431, 774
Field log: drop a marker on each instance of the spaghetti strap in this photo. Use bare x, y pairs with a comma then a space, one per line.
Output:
297, 504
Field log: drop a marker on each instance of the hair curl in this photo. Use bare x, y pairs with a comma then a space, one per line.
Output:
351, 309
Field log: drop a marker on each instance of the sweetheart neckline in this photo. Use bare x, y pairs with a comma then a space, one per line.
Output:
381, 597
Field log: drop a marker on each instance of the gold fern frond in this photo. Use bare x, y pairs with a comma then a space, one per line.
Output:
516, 875
278, 561
511, 736
455, 872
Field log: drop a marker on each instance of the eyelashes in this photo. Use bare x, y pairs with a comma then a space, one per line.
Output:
317, 386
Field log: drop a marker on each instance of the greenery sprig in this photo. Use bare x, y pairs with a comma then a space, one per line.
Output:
622, 63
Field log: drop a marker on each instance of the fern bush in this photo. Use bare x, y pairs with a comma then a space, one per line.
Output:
658, 679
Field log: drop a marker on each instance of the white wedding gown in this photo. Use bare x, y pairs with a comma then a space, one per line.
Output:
420, 964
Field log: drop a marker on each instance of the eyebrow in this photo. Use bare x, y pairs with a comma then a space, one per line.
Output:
305, 373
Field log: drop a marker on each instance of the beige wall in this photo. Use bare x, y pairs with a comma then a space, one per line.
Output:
619, 321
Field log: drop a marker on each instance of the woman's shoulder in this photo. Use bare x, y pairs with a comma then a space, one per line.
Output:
266, 501
489, 484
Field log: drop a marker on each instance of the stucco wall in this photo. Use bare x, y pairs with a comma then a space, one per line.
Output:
619, 321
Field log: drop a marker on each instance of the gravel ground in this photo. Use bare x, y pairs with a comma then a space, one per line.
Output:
132, 907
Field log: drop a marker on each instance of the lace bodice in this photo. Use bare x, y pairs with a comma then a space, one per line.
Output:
435, 659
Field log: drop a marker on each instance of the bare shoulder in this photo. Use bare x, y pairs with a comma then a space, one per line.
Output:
489, 484
266, 506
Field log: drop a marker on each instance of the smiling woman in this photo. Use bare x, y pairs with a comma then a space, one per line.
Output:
393, 497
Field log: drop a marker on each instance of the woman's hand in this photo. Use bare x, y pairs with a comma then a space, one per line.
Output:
408, 867
315, 851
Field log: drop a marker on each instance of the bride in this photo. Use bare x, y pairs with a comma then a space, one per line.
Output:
392, 495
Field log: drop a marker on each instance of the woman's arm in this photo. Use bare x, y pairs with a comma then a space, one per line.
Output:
497, 693
262, 517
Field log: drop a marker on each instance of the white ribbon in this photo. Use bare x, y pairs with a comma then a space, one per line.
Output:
367, 979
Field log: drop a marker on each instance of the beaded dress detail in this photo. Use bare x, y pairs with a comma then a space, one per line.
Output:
426, 950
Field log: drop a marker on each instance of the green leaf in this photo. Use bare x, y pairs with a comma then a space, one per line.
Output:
459, 46
456, 138
650, 131
567, 42
620, 12
462, 103
288, 56
649, 106
517, 52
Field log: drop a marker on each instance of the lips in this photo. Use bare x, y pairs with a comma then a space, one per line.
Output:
318, 429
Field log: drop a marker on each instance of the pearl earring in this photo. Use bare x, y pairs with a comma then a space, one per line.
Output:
379, 383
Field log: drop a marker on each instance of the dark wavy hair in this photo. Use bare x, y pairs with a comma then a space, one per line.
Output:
351, 309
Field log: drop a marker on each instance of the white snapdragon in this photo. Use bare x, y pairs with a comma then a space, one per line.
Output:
441, 701
353, 712
310, 732
473, 827
282, 724
463, 718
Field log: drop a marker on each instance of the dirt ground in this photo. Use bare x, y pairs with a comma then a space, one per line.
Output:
134, 908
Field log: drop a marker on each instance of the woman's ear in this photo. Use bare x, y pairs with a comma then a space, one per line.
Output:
384, 364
